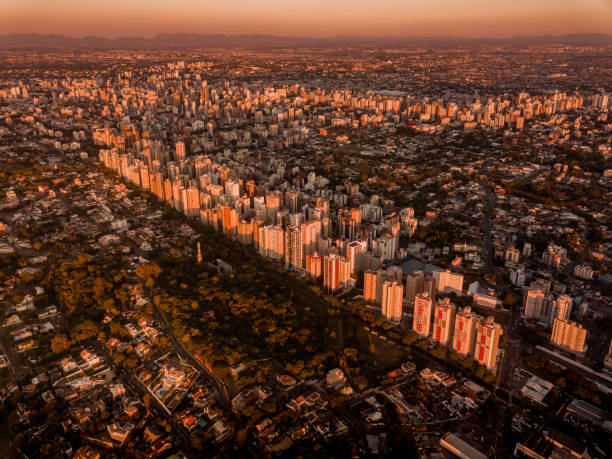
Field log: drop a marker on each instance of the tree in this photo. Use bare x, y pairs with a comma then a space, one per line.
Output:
410, 338
508, 300
59, 343
148, 272
480, 372
85, 330
241, 436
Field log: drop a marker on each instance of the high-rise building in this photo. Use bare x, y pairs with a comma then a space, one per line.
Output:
296, 219
464, 333
517, 276
414, 285
144, 176
245, 232
276, 245
448, 282
311, 233
584, 272
369, 286
271, 242
352, 249
568, 335
373, 282
512, 254
157, 184
313, 265
421, 322
167, 190
429, 286
229, 220
444, 320
272, 207
193, 202
232, 190
325, 226
293, 247
291, 201
392, 296
344, 272
562, 307
554, 256
487, 341
180, 151
331, 272
533, 303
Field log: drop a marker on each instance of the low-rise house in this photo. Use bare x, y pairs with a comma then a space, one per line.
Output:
67, 365
120, 432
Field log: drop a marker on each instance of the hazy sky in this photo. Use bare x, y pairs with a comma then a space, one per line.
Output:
322, 18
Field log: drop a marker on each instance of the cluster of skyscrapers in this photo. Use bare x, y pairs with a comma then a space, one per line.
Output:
542, 306
294, 226
466, 332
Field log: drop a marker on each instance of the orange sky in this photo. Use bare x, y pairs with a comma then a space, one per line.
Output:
471, 18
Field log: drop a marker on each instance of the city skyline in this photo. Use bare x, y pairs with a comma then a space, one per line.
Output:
470, 19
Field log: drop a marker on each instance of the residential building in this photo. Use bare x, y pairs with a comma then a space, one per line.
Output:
487, 341
422, 314
293, 247
444, 320
568, 335
392, 297
464, 333
448, 282
331, 272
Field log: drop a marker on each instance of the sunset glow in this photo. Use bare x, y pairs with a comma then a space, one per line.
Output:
318, 18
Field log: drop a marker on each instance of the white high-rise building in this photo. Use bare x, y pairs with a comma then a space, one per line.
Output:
464, 334
352, 249
272, 207
331, 272
392, 296
193, 202
414, 285
369, 286
534, 303
180, 152
271, 242
512, 254
421, 322
562, 307
344, 273
487, 341
293, 247
554, 256
444, 320
311, 233
232, 190
569, 335
584, 272
448, 282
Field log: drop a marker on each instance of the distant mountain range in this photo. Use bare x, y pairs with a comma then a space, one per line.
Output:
184, 40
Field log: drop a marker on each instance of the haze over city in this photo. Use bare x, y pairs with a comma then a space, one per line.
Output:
317, 18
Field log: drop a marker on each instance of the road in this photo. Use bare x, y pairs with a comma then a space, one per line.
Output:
509, 359
185, 353
129, 381
486, 241
14, 364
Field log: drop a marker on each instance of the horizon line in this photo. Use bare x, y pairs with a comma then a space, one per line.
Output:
311, 37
